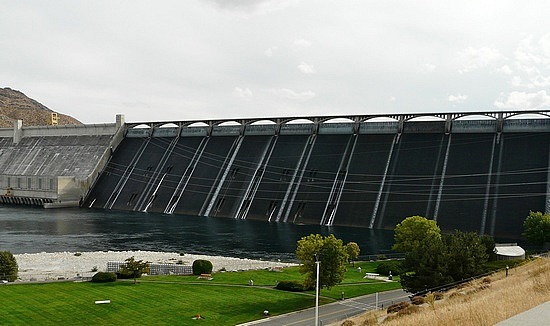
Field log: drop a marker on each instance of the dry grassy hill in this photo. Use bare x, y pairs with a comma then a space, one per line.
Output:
15, 105
485, 301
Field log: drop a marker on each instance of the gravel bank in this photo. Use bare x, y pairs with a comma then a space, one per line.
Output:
53, 266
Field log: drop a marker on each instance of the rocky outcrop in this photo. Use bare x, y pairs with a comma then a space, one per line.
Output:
14, 105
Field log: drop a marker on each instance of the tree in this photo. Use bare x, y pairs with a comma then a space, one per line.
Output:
352, 249
8, 266
489, 244
412, 230
426, 266
466, 254
536, 228
134, 268
438, 261
330, 252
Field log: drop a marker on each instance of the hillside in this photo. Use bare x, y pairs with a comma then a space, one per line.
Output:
14, 105
484, 301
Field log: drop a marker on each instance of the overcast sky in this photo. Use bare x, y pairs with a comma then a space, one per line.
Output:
205, 59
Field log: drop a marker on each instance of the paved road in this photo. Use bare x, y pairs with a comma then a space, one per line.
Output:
334, 312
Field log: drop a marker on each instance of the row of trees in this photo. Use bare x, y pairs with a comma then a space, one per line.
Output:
433, 259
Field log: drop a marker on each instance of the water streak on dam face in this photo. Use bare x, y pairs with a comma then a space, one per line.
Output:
472, 175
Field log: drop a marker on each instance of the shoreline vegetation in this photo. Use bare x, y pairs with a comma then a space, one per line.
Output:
67, 265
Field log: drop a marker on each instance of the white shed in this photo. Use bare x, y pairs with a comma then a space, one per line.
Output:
506, 251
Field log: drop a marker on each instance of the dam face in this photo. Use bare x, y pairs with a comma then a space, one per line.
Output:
480, 175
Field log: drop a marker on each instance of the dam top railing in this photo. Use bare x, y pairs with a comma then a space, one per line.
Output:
458, 122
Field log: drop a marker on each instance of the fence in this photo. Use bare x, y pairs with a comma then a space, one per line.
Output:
391, 255
155, 269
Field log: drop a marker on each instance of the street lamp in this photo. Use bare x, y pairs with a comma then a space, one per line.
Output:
317, 262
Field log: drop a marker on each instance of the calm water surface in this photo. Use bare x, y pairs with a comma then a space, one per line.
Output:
32, 230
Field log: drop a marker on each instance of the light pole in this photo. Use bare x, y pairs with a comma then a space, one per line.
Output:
317, 262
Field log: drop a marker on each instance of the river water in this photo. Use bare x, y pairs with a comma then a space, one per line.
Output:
33, 230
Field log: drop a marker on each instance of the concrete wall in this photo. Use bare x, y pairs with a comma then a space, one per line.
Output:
54, 164
260, 130
336, 128
472, 126
70, 130
29, 186
379, 127
526, 125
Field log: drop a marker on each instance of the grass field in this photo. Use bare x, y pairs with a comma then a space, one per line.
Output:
225, 300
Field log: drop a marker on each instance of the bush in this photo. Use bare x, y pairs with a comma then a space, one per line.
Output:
418, 300
8, 266
408, 310
397, 306
292, 286
124, 275
201, 266
104, 277
392, 265
347, 323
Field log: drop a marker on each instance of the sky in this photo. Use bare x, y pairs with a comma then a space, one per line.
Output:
223, 59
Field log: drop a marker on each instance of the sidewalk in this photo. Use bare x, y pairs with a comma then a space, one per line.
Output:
540, 315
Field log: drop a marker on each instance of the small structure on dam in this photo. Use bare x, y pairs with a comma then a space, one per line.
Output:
472, 171
54, 166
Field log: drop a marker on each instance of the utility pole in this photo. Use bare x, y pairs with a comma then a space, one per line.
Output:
317, 262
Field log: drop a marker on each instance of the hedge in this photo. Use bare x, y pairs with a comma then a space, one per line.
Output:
292, 286
201, 266
104, 277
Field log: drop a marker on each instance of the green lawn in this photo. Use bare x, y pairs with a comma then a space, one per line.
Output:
225, 300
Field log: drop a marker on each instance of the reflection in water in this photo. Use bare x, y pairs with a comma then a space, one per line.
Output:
34, 230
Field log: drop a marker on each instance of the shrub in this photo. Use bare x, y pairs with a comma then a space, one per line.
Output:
124, 275
8, 266
397, 306
201, 266
347, 323
408, 310
133, 268
292, 286
418, 300
104, 277
392, 265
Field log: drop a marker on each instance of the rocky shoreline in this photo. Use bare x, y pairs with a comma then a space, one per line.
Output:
70, 265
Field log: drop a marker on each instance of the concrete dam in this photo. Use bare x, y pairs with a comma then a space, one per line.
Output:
481, 175
473, 171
